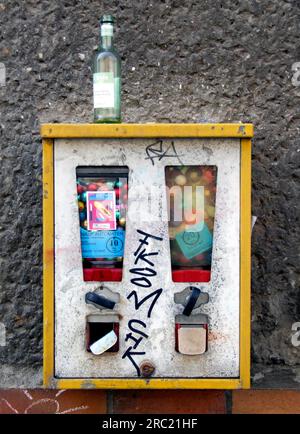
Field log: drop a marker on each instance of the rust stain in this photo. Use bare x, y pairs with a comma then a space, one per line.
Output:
49, 253
67, 249
216, 336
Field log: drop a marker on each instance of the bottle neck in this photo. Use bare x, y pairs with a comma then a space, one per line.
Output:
106, 35
106, 42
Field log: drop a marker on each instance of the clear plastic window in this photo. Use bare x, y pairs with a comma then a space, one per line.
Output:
191, 194
102, 204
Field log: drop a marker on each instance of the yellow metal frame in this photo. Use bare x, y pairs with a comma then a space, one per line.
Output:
244, 132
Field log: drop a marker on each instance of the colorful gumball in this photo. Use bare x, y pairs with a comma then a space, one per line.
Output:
92, 187
85, 224
81, 206
118, 184
194, 176
83, 196
210, 211
122, 221
80, 188
82, 215
200, 257
180, 180
104, 187
208, 176
184, 170
110, 185
184, 261
99, 185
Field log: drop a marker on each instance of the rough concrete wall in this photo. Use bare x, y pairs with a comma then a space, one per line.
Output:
183, 61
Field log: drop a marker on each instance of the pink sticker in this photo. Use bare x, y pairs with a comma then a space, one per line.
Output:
101, 210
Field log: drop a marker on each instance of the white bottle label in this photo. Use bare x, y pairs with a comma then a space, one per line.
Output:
104, 90
107, 29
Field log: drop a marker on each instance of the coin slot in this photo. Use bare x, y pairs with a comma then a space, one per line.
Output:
191, 339
100, 327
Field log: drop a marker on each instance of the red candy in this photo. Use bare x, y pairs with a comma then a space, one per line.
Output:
92, 187
80, 188
208, 176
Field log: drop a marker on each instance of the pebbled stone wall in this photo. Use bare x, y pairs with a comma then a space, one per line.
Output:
183, 61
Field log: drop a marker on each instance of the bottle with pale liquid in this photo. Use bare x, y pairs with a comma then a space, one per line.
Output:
107, 76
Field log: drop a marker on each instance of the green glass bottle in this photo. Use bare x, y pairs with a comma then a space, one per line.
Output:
107, 76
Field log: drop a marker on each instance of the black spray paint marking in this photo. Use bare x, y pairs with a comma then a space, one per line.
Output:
138, 327
138, 304
160, 150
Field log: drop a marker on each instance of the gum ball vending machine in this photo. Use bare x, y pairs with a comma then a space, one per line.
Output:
147, 232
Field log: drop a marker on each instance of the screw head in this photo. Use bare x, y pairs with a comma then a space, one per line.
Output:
147, 368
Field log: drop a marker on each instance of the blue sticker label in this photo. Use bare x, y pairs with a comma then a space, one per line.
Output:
102, 244
194, 241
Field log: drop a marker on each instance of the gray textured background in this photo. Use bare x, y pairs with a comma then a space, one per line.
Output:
183, 61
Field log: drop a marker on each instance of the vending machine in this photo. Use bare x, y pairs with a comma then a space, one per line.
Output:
147, 255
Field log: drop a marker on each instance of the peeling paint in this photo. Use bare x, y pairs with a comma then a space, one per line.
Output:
241, 129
